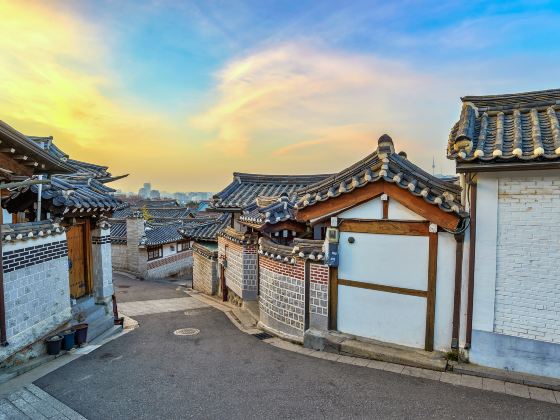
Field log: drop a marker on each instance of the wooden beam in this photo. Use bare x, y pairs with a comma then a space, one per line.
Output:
386, 208
385, 227
383, 288
431, 303
344, 201
421, 207
333, 297
7, 162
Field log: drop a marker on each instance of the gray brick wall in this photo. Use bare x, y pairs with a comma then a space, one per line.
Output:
37, 296
242, 267
528, 266
281, 300
205, 274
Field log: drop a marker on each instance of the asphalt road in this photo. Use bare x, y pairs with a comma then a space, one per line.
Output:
224, 373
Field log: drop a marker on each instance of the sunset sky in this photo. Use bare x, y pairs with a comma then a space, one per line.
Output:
183, 93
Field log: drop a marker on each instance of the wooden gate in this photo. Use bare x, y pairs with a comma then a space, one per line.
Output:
79, 254
385, 285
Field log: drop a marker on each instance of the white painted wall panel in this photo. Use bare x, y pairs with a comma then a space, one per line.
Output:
393, 260
372, 209
389, 317
445, 289
399, 212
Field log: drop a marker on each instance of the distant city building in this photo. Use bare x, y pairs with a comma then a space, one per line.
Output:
154, 195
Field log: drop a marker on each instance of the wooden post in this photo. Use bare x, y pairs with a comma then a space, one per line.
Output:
431, 301
333, 297
307, 288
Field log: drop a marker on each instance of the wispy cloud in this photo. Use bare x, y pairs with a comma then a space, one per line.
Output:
284, 100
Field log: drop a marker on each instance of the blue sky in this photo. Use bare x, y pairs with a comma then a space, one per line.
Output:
184, 93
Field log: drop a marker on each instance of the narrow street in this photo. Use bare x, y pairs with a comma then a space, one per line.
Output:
223, 373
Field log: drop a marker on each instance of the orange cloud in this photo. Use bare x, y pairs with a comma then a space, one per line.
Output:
293, 100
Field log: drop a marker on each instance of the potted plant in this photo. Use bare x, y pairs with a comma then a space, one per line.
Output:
80, 333
54, 345
68, 340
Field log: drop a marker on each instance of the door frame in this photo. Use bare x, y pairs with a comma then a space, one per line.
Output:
391, 227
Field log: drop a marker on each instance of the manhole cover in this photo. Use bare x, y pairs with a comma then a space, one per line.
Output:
186, 331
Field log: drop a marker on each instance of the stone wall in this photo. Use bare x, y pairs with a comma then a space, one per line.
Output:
119, 256
527, 301
179, 264
102, 263
36, 289
282, 295
318, 296
241, 267
205, 273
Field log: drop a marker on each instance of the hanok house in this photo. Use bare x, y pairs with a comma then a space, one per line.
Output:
394, 250
507, 150
150, 250
66, 263
238, 244
203, 234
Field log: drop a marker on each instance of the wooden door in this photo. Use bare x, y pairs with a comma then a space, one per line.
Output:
77, 260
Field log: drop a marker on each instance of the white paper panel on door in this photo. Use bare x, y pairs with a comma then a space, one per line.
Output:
389, 317
392, 260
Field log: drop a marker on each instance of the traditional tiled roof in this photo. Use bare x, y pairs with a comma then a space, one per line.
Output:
31, 230
206, 229
205, 250
245, 188
122, 211
159, 235
302, 248
309, 249
238, 237
118, 232
98, 172
384, 164
66, 194
27, 153
269, 210
152, 204
517, 127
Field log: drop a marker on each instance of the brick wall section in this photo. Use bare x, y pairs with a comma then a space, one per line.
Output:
36, 290
176, 264
319, 289
205, 274
33, 254
282, 299
528, 269
241, 270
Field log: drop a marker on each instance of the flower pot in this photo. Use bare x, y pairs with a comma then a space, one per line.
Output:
68, 341
80, 334
54, 345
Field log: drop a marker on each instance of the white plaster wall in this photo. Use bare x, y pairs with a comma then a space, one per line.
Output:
167, 249
399, 212
393, 260
372, 209
389, 317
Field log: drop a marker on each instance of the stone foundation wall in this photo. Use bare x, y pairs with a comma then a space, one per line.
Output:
179, 264
282, 295
36, 290
205, 274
